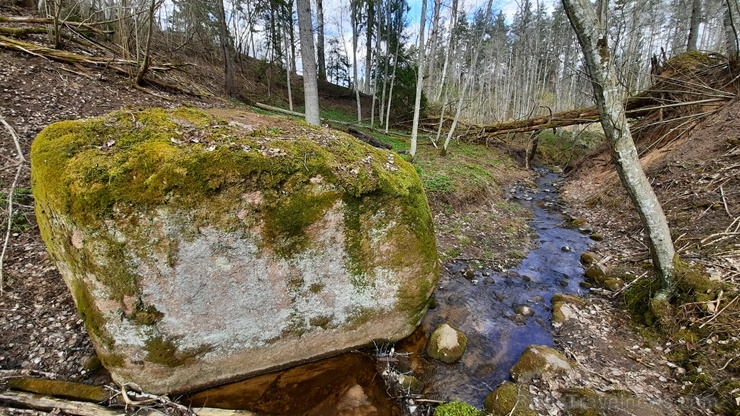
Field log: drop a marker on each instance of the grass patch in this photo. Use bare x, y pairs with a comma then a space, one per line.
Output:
338, 114
564, 147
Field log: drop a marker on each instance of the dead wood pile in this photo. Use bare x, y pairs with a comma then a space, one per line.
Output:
81, 49
686, 89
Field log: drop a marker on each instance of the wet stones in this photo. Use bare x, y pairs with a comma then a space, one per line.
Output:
447, 344
595, 273
409, 384
524, 310
563, 308
538, 361
589, 257
508, 399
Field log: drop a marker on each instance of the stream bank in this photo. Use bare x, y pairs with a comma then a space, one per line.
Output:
502, 313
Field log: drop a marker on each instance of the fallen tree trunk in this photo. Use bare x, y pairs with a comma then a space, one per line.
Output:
51, 404
372, 141
122, 66
635, 107
50, 21
70, 57
48, 404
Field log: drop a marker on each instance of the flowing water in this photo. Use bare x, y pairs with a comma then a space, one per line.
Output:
503, 313
485, 304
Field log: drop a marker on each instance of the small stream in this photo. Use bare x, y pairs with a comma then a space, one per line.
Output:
485, 304
503, 313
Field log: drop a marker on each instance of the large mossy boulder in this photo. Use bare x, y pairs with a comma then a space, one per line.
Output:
200, 249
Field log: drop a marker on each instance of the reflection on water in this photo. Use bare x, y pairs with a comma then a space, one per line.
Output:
489, 307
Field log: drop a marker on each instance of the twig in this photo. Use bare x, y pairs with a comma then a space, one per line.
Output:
719, 313
11, 191
15, 138
147, 401
724, 200
728, 362
627, 286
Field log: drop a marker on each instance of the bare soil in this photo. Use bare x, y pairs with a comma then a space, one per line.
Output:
696, 178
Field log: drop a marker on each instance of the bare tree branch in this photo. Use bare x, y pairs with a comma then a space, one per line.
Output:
11, 191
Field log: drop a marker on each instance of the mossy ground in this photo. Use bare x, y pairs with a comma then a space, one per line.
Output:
682, 321
466, 190
457, 409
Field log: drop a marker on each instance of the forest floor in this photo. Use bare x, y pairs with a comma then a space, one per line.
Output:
673, 367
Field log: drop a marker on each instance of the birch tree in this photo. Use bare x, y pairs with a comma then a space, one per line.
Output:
320, 44
694, 25
308, 58
591, 30
226, 48
467, 80
355, 14
419, 80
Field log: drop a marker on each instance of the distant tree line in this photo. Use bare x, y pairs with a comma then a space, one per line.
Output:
492, 66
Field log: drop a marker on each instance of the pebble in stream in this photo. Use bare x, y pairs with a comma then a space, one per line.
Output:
513, 311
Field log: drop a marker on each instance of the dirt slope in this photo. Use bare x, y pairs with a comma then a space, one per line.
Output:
695, 177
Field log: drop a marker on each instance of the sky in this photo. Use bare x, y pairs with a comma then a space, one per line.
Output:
336, 17
333, 9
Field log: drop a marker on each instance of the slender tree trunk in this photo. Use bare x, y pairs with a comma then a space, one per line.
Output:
291, 32
370, 4
434, 39
466, 82
320, 39
56, 30
591, 30
419, 80
694, 25
288, 70
379, 19
308, 57
731, 35
226, 48
147, 58
377, 65
123, 29
393, 81
450, 49
355, 34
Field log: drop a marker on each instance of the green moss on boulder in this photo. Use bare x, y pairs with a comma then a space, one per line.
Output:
508, 399
447, 344
182, 234
538, 361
